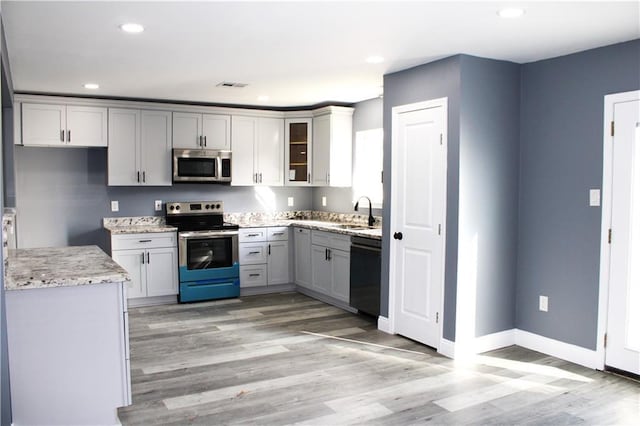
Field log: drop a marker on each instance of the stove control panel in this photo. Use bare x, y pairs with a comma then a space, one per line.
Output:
195, 207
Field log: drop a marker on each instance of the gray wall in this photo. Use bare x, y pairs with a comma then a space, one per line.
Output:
560, 160
367, 115
434, 80
62, 196
488, 194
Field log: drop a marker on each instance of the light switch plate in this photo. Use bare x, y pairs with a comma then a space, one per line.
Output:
158, 205
290, 201
115, 206
544, 303
594, 197
324, 201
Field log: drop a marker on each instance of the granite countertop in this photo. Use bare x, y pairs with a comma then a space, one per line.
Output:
374, 232
136, 225
61, 267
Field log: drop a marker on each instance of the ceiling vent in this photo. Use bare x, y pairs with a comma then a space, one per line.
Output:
231, 84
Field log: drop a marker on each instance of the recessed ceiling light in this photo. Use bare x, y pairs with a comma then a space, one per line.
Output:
375, 59
510, 12
263, 98
132, 28
91, 86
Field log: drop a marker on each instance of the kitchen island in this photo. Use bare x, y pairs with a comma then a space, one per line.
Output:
67, 336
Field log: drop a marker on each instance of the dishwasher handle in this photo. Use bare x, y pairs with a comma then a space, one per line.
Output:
374, 249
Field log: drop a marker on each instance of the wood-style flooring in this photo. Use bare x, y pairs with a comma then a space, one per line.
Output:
288, 359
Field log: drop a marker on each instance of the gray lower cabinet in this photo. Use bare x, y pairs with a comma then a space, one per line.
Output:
264, 256
330, 257
302, 256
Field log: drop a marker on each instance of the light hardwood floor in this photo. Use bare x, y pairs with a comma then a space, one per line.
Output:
288, 359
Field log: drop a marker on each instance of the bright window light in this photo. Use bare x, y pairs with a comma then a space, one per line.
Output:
367, 170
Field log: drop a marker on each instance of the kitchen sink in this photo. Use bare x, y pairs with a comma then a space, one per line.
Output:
350, 226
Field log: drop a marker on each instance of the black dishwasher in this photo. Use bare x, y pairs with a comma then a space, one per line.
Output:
364, 291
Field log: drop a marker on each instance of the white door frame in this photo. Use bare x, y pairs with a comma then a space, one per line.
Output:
395, 112
605, 247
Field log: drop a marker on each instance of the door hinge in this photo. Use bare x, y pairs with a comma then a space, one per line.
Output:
382, 176
609, 238
437, 317
440, 138
439, 229
613, 128
605, 340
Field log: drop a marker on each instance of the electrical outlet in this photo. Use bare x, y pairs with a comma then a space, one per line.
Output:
158, 205
544, 304
115, 206
324, 201
290, 201
594, 197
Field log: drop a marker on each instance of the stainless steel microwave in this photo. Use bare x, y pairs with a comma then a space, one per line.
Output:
201, 166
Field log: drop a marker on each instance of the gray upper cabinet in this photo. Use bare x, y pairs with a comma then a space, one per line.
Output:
201, 131
139, 147
59, 125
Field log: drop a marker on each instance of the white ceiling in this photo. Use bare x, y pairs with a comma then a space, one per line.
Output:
297, 53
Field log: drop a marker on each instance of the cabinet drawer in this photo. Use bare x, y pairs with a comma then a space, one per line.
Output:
247, 235
331, 239
253, 276
278, 233
252, 254
136, 241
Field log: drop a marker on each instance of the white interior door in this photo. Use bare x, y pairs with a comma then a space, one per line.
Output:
417, 220
623, 326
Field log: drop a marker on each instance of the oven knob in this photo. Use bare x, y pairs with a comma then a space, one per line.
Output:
177, 207
217, 206
171, 207
207, 207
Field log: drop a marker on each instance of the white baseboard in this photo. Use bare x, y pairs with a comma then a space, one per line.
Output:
494, 341
447, 348
558, 349
384, 325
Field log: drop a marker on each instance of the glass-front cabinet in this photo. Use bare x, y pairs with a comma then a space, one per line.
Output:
298, 137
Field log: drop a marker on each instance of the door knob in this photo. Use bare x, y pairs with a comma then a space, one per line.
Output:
397, 235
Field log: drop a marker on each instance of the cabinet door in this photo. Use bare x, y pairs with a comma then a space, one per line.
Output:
43, 124
86, 126
297, 151
162, 271
278, 262
187, 129
321, 275
270, 152
124, 147
132, 262
302, 250
216, 131
321, 150
340, 274
244, 136
156, 148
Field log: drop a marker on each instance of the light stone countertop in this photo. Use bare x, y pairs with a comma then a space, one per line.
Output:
61, 267
375, 233
136, 225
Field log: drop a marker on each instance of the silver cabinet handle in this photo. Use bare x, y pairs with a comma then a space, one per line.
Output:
61, 135
269, 251
260, 177
308, 177
138, 177
143, 258
144, 177
328, 254
278, 233
253, 235
254, 275
148, 258
254, 252
200, 140
144, 241
205, 141
68, 135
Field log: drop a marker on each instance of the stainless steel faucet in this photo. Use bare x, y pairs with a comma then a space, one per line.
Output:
371, 219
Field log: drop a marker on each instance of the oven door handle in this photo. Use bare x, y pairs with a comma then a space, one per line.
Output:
200, 234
